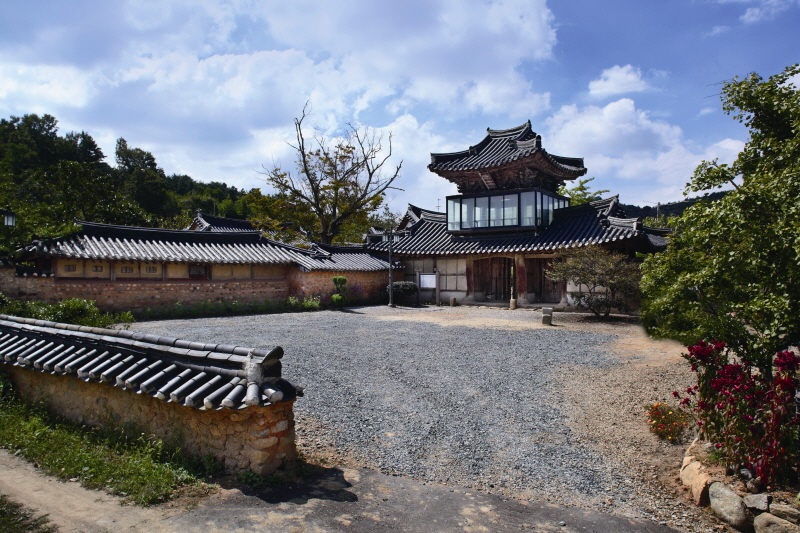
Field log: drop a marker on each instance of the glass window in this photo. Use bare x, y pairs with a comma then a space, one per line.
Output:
495, 211
453, 214
510, 202
539, 206
527, 207
467, 213
547, 204
481, 213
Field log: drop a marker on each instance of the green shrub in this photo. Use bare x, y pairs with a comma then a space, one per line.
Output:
338, 300
72, 311
403, 288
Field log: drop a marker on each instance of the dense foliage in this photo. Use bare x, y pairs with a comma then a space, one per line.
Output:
732, 270
749, 415
45, 178
72, 311
605, 280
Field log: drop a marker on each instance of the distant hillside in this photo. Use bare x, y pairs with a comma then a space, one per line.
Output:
674, 208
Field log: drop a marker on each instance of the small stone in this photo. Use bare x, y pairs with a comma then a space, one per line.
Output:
760, 502
786, 512
729, 507
768, 523
562, 523
754, 486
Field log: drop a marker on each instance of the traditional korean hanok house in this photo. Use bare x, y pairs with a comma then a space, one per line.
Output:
500, 235
132, 268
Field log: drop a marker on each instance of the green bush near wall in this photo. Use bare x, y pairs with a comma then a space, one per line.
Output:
73, 311
209, 308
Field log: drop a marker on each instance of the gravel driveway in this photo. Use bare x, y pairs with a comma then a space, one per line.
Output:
476, 397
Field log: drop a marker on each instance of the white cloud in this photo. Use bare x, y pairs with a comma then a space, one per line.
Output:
717, 30
629, 151
706, 111
618, 80
763, 10
39, 88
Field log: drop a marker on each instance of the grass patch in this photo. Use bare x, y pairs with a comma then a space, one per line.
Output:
16, 519
134, 465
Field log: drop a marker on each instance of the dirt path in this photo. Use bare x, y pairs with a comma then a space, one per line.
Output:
70, 506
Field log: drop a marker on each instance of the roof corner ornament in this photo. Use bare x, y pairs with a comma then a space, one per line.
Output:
512, 144
473, 150
538, 142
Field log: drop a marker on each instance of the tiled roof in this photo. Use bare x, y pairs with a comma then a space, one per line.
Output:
125, 243
205, 222
501, 147
598, 222
202, 376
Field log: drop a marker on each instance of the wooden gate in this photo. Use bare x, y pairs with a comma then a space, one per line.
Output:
545, 289
495, 277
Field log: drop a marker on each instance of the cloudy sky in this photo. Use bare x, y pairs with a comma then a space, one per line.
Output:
211, 86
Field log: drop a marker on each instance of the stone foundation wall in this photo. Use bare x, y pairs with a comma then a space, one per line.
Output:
363, 287
260, 439
139, 294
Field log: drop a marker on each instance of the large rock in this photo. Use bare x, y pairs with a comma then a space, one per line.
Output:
729, 507
768, 523
787, 512
693, 476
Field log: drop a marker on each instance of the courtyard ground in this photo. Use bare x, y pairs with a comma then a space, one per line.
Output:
472, 416
483, 398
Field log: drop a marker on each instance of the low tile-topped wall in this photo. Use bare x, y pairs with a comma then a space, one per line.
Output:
260, 439
363, 287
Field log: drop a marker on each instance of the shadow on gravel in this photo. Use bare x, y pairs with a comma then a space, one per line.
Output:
329, 484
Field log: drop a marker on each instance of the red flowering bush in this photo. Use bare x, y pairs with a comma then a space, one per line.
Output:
749, 415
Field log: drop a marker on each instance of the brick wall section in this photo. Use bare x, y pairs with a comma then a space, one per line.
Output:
363, 287
260, 439
139, 294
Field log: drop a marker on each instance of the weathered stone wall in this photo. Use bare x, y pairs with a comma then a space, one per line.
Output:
260, 439
139, 294
362, 287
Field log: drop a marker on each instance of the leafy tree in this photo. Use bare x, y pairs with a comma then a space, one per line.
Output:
143, 180
338, 180
605, 280
732, 269
580, 193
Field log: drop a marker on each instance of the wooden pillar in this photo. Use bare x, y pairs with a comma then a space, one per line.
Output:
470, 280
522, 279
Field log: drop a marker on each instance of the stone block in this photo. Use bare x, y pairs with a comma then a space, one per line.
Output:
283, 425
759, 502
769, 523
263, 444
786, 512
729, 507
258, 457
693, 476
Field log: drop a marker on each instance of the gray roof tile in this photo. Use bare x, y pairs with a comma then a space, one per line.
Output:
128, 361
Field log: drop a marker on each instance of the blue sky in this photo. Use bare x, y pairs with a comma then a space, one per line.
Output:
211, 87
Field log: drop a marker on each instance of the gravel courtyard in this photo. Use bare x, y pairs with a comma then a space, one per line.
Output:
479, 397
